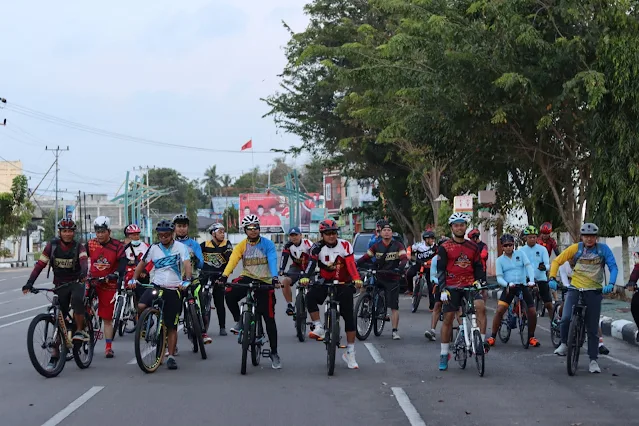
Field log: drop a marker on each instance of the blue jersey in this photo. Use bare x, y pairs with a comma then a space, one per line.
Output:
514, 269
537, 254
195, 249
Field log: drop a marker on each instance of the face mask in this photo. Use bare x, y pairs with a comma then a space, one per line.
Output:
136, 243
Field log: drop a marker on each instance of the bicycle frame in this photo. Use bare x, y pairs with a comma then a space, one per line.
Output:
469, 326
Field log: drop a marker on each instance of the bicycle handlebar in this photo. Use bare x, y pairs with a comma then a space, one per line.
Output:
255, 284
35, 290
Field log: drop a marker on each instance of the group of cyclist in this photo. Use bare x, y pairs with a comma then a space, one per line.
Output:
451, 265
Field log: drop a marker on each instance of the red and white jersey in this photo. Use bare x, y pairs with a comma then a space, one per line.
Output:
300, 255
335, 262
134, 254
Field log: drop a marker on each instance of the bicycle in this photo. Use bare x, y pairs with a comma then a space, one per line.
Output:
516, 317
251, 336
577, 331
125, 311
61, 326
418, 291
464, 345
91, 304
371, 305
555, 328
209, 279
301, 315
193, 322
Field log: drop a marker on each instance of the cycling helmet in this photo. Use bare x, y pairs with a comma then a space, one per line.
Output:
457, 218
165, 226
507, 238
67, 224
328, 225
531, 230
473, 233
249, 220
132, 229
181, 219
381, 224
216, 227
102, 223
589, 229
545, 228
428, 234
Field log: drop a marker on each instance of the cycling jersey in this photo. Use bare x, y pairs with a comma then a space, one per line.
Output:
335, 263
483, 253
299, 254
588, 272
259, 260
69, 262
134, 254
195, 253
215, 255
388, 257
167, 263
107, 258
513, 269
550, 245
460, 264
537, 254
422, 254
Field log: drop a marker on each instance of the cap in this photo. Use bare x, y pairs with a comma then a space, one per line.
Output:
294, 230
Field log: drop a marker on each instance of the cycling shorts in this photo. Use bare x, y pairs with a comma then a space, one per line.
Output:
71, 295
508, 294
544, 291
172, 305
456, 299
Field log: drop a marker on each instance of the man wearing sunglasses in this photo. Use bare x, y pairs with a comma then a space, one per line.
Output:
513, 268
259, 258
298, 250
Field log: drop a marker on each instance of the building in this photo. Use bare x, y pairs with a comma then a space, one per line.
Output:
8, 171
96, 205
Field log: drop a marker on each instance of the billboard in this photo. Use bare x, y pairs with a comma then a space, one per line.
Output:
219, 204
274, 211
69, 212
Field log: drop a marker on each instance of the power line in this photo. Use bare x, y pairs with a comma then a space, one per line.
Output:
57, 151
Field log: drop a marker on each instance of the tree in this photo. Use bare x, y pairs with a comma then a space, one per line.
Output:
49, 225
212, 181
170, 179
312, 175
191, 209
226, 182
15, 209
230, 218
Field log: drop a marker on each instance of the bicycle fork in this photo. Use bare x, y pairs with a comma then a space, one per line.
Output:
469, 330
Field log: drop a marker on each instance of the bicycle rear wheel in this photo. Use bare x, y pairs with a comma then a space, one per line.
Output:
574, 333
480, 354
364, 312
246, 339
198, 340
331, 344
46, 340
117, 314
300, 316
83, 351
147, 332
257, 342
380, 312
555, 329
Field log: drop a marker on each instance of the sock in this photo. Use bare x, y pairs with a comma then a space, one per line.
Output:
394, 330
170, 357
445, 347
109, 343
601, 341
483, 337
350, 348
317, 323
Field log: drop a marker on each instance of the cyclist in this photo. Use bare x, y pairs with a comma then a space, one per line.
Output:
259, 258
390, 259
421, 254
632, 285
134, 251
546, 240
539, 258
460, 263
217, 253
107, 258
171, 261
588, 259
474, 235
377, 235
68, 259
334, 257
512, 268
298, 249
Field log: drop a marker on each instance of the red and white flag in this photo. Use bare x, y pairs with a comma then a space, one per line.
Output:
247, 145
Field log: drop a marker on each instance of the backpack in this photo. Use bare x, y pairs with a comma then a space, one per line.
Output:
580, 252
54, 247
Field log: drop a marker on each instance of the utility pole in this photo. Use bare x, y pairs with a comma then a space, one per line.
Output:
56, 152
147, 222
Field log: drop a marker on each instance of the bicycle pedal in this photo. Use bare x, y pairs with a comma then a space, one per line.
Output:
266, 353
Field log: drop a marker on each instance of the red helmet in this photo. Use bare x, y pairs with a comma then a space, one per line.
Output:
473, 233
67, 224
132, 229
328, 225
545, 228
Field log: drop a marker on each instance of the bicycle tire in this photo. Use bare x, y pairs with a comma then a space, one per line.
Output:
480, 354
555, 331
245, 339
365, 302
131, 314
504, 330
149, 314
417, 296
331, 344
300, 316
62, 357
379, 313
88, 347
206, 314
572, 361
461, 353
117, 317
196, 329
523, 329
256, 347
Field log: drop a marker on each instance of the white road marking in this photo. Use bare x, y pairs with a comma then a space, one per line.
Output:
149, 350
16, 322
26, 310
409, 409
57, 419
11, 291
377, 357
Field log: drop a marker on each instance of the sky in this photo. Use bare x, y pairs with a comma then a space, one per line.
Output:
188, 73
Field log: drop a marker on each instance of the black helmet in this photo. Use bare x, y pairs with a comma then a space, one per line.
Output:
165, 226
507, 238
428, 234
181, 218
381, 224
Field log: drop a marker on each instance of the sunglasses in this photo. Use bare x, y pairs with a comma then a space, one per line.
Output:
330, 232
507, 245
165, 234
252, 228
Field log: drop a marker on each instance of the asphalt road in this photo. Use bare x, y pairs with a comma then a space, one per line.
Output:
398, 382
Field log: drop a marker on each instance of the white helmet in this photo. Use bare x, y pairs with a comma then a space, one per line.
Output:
102, 223
216, 227
250, 219
457, 218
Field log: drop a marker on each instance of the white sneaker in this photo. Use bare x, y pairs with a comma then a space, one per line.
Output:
349, 359
318, 333
594, 367
562, 350
396, 336
430, 334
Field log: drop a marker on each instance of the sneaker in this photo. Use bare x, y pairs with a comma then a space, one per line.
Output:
430, 335
290, 310
603, 350
275, 361
396, 336
109, 353
171, 363
532, 341
206, 339
594, 367
53, 361
81, 336
223, 331
443, 362
236, 328
562, 350
349, 359
387, 318
491, 341
318, 333
166, 354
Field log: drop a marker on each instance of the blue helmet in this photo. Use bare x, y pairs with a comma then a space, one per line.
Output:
165, 226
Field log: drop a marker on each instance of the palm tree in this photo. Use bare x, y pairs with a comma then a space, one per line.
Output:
226, 182
212, 179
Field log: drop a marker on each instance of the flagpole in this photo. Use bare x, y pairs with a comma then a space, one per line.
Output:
253, 161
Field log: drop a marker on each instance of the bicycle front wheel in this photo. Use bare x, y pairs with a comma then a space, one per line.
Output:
574, 347
198, 340
300, 316
256, 343
480, 354
523, 327
150, 340
504, 329
380, 314
83, 351
461, 354
364, 316
246, 339
117, 316
44, 330
555, 329
333, 338
417, 295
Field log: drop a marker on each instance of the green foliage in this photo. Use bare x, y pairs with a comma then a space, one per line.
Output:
445, 210
170, 179
50, 227
230, 220
15, 209
191, 209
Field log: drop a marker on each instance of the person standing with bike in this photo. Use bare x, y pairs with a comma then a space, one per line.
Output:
297, 249
513, 269
539, 258
216, 252
134, 251
421, 254
259, 258
390, 259
68, 259
171, 261
588, 259
107, 258
458, 266
334, 257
